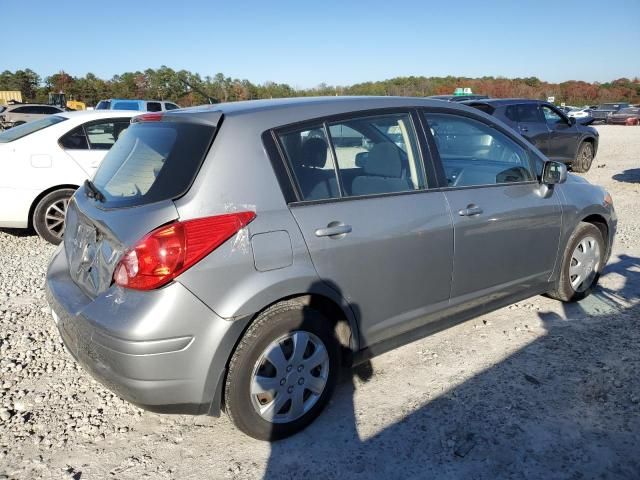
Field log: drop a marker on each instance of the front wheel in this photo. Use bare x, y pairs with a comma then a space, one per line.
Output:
48, 216
584, 158
282, 372
582, 263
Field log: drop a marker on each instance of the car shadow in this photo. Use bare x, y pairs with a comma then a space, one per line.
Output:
567, 405
18, 232
629, 176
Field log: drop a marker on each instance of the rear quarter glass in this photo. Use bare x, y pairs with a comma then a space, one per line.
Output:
152, 162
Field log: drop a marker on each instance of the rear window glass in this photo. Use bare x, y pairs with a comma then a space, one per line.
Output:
28, 128
152, 161
126, 106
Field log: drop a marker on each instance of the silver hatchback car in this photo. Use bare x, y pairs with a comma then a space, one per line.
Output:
236, 256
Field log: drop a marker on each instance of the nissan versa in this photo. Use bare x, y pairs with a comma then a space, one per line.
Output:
235, 256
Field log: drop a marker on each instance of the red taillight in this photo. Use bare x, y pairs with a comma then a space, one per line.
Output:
147, 117
170, 250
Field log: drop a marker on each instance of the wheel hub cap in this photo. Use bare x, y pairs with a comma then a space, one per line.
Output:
585, 262
289, 377
54, 217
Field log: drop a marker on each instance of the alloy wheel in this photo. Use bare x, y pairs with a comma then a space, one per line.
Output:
54, 217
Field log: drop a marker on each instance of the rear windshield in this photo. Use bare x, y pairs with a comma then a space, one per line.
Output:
28, 128
153, 161
127, 106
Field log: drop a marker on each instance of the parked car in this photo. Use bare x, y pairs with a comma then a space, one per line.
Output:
18, 114
559, 137
625, 116
580, 114
139, 105
458, 98
44, 161
225, 256
603, 111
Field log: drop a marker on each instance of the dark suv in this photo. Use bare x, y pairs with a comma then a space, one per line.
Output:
555, 134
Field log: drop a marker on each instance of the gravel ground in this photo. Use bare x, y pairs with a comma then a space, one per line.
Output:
535, 390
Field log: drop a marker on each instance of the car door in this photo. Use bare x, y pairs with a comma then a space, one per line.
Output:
88, 143
532, 125
506, 227
375, 233
563, 136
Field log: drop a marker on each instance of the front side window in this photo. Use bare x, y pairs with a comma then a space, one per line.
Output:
473, 153
170, 106
370, 155
551, 116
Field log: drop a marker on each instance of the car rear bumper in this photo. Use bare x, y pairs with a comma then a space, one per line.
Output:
163, 350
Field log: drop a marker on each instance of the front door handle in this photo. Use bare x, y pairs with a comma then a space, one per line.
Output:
470, 211
524, 129
334, 230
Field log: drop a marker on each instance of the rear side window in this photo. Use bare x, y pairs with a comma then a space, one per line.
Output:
474, 154
528, 112
75, 140
154, 107
170, 106
355, 157
153, 161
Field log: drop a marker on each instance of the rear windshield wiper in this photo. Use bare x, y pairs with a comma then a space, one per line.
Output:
92, 191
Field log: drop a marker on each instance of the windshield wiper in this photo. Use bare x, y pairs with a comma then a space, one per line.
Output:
92, 191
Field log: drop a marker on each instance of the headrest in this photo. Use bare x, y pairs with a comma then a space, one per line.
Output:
314, 152
384, 161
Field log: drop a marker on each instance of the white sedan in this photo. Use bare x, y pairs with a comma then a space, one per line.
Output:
43, 162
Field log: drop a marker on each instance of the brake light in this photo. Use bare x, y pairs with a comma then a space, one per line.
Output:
168, 251
147, 117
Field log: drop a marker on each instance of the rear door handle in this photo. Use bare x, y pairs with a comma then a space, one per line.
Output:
524, 129
334, 230
470, 211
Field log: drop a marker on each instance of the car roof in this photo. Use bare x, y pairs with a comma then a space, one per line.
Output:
504, 101
315, 106
90, 114
132, 100
15, 105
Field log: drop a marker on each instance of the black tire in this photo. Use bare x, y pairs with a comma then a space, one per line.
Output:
563, 290
277, 321
584, 158
48, 213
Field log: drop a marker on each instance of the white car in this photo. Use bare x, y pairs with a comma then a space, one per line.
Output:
43, 162
580, 113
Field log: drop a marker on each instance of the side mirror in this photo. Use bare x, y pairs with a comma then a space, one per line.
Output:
554, 172
572, 121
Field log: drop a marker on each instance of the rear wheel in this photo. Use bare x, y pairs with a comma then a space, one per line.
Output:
283, 371
48, 216
582, 263
584, 158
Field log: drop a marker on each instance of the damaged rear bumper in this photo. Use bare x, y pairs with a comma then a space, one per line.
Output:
163, 350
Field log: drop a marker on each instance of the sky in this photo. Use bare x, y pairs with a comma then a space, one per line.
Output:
305, 43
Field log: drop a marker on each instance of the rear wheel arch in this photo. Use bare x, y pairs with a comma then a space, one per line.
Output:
43, 194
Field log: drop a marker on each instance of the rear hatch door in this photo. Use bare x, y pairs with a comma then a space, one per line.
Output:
153, 162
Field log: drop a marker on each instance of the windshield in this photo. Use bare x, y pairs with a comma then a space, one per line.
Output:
152, 161
28, 128
103, 105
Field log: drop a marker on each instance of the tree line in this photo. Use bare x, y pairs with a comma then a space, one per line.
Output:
187, 88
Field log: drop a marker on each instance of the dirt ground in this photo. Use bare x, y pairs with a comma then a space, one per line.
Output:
535, 390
